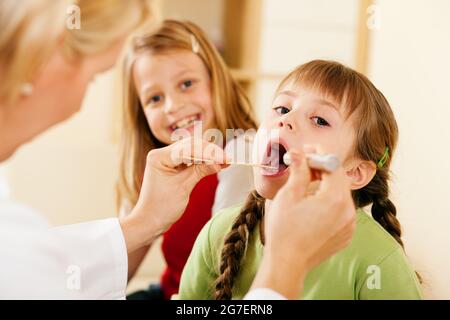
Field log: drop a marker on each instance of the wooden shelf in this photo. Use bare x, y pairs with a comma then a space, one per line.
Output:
249, 75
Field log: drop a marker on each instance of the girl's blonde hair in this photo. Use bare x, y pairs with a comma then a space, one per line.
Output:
376, 133
231, 107
31, 29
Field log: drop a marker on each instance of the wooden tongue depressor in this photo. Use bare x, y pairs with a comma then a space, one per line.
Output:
325, 162
235, 163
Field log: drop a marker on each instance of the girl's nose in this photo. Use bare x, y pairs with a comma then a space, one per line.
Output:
174, 105
284, 123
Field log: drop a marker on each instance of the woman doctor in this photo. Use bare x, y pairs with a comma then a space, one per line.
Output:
45, 69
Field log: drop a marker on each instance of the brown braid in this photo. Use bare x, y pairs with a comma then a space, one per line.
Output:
235, 245
383, 210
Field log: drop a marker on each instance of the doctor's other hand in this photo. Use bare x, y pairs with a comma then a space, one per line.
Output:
169, 177
303, 229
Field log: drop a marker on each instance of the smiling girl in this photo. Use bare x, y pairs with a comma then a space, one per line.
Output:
173, 78
338, 110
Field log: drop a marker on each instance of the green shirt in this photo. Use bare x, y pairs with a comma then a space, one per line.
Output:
373, 266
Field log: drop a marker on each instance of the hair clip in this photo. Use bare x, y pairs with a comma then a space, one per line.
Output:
384, 158
195, 45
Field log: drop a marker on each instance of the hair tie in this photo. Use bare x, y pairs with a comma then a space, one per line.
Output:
384, 158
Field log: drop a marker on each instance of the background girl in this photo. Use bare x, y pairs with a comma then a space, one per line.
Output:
173, 77
326, 104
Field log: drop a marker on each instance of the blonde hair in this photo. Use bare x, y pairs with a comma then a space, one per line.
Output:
231, 106
31, 29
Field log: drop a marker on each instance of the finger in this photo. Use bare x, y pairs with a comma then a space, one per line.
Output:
308, 149
204, 170
334, 183
311, 150
198, 172
195, 151
299, 173
335, 191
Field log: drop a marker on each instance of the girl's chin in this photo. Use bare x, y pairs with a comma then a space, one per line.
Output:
267, 191
165, 140
268, 186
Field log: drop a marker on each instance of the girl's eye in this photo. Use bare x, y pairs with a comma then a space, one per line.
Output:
321, 122
281, 110
186, 84
155, 99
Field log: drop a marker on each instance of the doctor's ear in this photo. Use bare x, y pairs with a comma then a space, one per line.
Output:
360, 173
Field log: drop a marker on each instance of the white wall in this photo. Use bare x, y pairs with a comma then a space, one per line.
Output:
296, 31
410, 64
68, 173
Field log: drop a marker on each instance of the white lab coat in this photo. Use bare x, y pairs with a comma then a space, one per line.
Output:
81, 261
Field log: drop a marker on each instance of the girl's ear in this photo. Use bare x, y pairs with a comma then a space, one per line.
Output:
361, 173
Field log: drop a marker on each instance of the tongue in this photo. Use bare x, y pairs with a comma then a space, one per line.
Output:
274, 157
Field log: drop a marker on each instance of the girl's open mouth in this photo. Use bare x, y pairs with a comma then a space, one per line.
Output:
274, 158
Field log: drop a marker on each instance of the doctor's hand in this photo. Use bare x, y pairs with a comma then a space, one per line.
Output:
303, 229
169, 177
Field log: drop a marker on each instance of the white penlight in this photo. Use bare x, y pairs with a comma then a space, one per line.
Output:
324, 162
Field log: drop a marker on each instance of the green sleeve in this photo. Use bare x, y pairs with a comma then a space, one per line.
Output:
198, 277
390, 279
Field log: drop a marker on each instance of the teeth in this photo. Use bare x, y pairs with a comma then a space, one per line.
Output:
272, 169
185, 122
